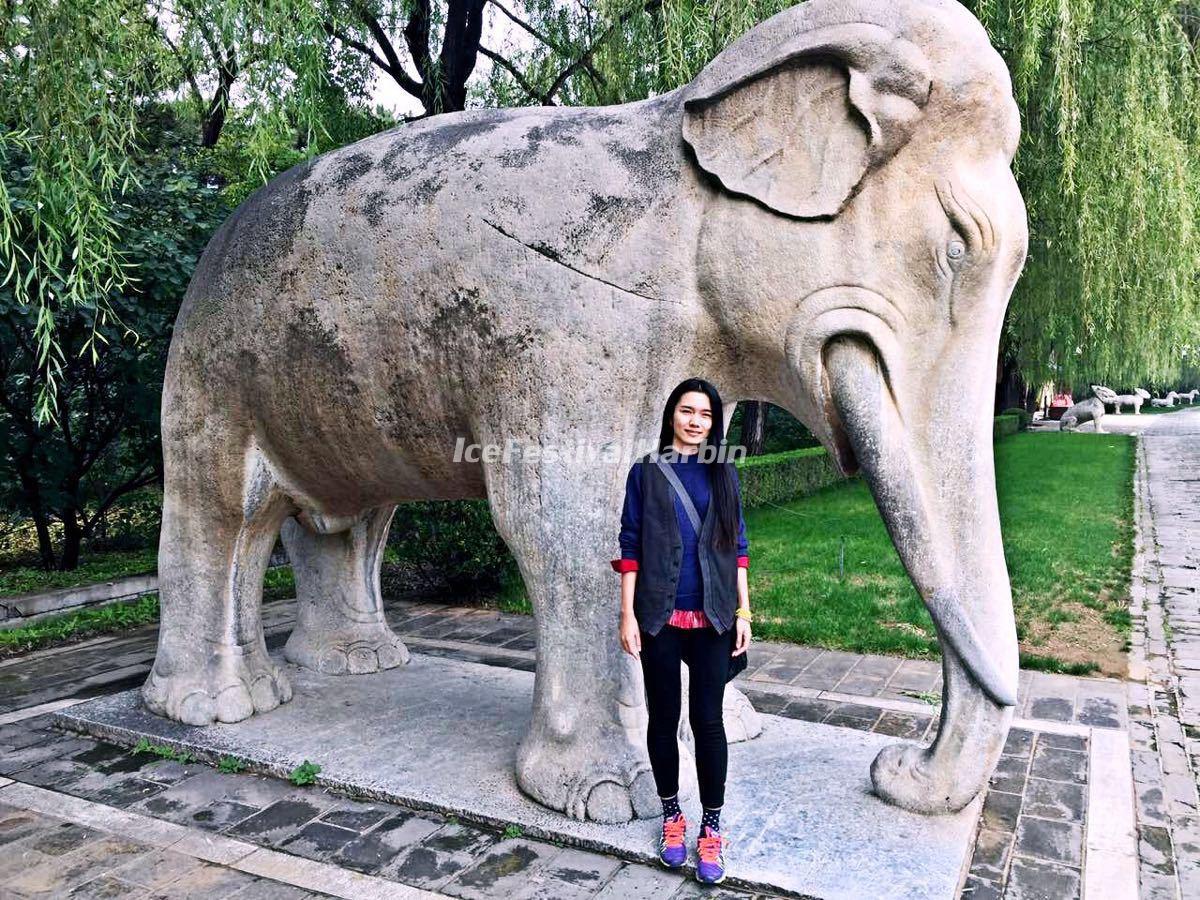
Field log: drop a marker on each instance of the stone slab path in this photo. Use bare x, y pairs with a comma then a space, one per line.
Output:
442, 734
1165, 709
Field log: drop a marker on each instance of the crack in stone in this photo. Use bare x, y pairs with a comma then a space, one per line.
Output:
547, 254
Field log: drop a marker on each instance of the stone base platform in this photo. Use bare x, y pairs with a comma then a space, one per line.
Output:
442, 734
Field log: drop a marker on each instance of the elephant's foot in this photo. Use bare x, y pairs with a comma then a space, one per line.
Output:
907, 776
595, 774
230, 684
349, 650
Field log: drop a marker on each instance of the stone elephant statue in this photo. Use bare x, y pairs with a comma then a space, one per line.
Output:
825, 218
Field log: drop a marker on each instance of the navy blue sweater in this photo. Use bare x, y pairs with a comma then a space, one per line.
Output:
695, 478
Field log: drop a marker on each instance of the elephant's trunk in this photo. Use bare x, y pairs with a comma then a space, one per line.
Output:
931, 471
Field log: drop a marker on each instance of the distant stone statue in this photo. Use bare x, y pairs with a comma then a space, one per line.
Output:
1112, 398
1163, 402
544, 276
1189, 396
1089, 410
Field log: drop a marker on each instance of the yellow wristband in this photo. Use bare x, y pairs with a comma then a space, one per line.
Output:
743, 613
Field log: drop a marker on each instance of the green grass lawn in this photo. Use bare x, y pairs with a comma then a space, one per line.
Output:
93, 569
76, 626
823, 570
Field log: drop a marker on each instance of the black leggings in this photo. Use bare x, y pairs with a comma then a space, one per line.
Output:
707, 656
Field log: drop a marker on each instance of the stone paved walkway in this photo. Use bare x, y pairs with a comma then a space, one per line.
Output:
1033, 837
1165, 710
1058, 820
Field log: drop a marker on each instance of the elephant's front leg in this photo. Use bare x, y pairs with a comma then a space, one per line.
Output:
585, 751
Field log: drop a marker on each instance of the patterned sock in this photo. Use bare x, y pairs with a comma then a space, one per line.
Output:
711, 818
670, 806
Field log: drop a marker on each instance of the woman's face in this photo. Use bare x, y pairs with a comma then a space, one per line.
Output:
693, 419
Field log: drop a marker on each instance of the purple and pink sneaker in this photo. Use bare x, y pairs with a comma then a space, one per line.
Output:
672, 851
710, 848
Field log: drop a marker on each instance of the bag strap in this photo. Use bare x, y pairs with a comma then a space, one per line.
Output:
681, 493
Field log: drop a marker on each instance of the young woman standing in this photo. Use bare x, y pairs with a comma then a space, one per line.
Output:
703, 622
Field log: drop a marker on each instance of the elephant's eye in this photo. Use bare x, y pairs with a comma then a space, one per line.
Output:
955, 250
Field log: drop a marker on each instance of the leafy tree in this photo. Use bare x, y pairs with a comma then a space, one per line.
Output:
104, 442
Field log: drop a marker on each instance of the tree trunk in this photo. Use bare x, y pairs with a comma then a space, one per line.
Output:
31, 499
45, 545
754, 427
1011, 390
72, 540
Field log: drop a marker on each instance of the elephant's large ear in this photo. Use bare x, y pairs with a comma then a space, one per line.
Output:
798, 123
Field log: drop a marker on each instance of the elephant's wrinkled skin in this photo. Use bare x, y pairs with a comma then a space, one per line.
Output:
825, 218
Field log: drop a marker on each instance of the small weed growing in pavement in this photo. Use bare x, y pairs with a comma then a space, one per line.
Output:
162, 751
230, 765
305, 773
930, 697
512, 831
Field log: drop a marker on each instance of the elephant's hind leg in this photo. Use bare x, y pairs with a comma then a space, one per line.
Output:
340, 626
221, 513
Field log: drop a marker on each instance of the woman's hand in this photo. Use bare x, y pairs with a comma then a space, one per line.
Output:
743, 637
631, 637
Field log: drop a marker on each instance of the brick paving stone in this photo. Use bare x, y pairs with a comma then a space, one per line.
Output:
1056, 709
262, 889
990, 857
902, 725
275, 823
1000, 811
18, 823
156, 869
358, 816
1154, 849
635, 882
1009, 774
208, 882
218, 815
1058, 765
373, 851
694, 890
1054, 800
441, 856
1045, 839
1032, 879
1062, 741
976, 888
1018, 743
106, 886
774, 703
808, 709
318, 840
573, 875
80, 865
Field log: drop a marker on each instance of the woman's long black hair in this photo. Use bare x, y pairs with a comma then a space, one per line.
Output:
720, 474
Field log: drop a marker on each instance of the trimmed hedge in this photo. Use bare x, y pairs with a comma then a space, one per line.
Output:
1021, 414
781, 477
1003, 426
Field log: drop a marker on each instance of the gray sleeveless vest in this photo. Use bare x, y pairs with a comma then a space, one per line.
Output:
661, 555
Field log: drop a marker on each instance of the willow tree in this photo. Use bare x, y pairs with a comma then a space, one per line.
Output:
1109, 161
74, 78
